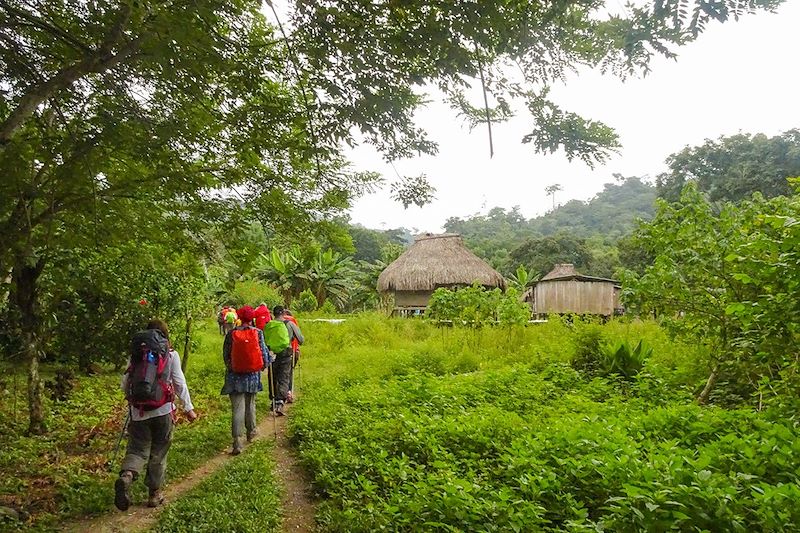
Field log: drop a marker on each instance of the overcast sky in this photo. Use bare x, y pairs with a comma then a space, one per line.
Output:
738, 77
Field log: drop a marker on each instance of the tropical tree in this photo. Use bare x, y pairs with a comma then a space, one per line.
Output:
725, 276
542, 254
551, 191
329, 275
365, 292
734, 167
285, 271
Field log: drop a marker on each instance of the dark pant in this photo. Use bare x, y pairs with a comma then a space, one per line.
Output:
148, 444
281, 375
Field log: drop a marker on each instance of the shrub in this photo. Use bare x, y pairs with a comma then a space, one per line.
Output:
622, 360
306, 302
252, 292
476, 306
587, 341
327, 308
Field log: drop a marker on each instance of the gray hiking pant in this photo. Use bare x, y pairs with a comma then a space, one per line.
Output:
281, 375
243, 413
148, 443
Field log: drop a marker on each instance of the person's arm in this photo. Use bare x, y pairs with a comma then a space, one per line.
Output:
266, 357
123, 384
294, 330
179, 385
226, 350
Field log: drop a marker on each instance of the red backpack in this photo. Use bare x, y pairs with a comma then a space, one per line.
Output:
147, 389
246, 351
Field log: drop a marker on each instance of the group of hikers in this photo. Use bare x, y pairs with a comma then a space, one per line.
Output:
256, 339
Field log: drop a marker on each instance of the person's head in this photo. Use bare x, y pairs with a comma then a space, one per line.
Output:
160, 325
278, 311
246, 314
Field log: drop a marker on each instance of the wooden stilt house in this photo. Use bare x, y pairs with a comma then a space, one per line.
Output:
565, 290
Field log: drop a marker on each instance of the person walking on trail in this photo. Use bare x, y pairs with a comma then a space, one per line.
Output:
230, 320
221, 319
262, 316
245, 355
279, 333
151, 383
295, 345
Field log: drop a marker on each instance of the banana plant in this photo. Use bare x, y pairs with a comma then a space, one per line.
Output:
284, 271
522, 279
330, 275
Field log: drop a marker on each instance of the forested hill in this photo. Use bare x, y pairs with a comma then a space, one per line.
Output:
602, 220
611, 213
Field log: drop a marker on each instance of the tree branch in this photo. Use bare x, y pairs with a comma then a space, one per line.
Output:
97, 62
49, 27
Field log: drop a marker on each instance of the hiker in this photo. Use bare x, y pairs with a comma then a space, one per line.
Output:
230, 320
152, 381
221, 319
295, 345
279, 333
245, 356
262, 316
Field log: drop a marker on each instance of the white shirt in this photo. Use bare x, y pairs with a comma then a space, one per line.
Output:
172, 374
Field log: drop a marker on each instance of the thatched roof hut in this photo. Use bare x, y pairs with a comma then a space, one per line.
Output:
565, 290
434, 261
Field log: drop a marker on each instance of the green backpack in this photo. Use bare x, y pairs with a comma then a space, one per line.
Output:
276, 335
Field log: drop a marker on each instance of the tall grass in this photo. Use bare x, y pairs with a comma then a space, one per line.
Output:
407, 427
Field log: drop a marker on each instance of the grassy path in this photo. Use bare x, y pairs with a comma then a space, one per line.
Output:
296, 509
64, 480
142, 518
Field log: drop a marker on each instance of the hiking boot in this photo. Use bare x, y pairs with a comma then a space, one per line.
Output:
156, 498
251, 435
279, 409
290, 397
236, 449
122, 490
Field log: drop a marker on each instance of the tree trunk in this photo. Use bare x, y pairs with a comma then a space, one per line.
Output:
712, 380
187, 343
24, 299
35, 411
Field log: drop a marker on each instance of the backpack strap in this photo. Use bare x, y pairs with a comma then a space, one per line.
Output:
290, 328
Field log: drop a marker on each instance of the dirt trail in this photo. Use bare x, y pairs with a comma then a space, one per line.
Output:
297, 506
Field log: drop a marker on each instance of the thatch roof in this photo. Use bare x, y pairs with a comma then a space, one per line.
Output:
566, 271
435, 261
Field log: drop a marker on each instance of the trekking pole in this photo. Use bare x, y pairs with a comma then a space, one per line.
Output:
274, 403
119, 440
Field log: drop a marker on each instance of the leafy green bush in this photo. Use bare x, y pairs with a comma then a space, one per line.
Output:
587, 342
253, 293
306, 302
400, 435
476, 306
622, 360
327, 309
